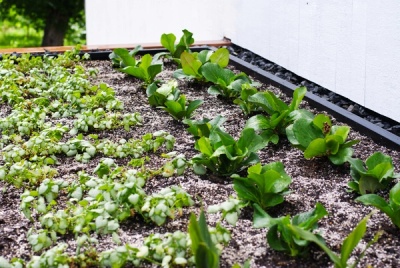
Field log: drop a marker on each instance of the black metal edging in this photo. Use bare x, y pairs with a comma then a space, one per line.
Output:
363, 126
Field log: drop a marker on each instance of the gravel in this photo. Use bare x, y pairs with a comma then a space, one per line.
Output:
314, 181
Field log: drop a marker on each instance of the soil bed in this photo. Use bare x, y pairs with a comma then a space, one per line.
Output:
314, 181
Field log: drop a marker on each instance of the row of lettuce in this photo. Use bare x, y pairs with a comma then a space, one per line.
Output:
38, 88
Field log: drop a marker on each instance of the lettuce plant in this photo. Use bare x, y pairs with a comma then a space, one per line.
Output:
282, 236
391, 208
264, 185
280, 114
192, 63
175, 50
245, 105
180, 108
317, 137
226, 82
349, 243
146, 69
223, 155
200, 128
157, 96
121, 57
377, 173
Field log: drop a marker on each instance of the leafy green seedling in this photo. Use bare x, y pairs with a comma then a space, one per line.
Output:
317, 137
146, 69
349, 243
192, 63
223, 155
377, 175
159, 95
180, 109
282, 236
121, 57
391, 208
245, 105
168, 41
203, 248
200, 128
226, 82
280, 114
264, 185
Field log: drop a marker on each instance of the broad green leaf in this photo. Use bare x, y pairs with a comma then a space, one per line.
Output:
357, 165
377, 158
214, 73
369, 184
190, 65
307, 220
204, 146
127, 59
153, 70
332, 144
184, 43
323, 122
193, 105
298, 96
258, 122
305, 132
274, 240
204, 56
341, 131
250, 140
394, 197
136, 72
220, 57
214, 90
341, 156
168, 41
316, 148
376, 201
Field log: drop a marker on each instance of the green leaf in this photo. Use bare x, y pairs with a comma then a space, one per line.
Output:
258, 122
369, 184
127, 59
341, 131
316, 148
190, 65
204, 56
323, 122
168, 41
261, 219
305, 132
204, 146
220, 57
307, 235
215, 74
376, 201
204, 250
341, 156
298, 96
193, 105
352, 240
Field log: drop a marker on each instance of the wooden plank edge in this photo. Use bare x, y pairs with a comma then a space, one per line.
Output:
87, 48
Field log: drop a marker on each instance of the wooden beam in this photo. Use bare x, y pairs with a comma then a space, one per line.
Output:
214, 43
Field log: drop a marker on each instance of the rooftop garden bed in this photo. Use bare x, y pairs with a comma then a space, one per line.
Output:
104, 161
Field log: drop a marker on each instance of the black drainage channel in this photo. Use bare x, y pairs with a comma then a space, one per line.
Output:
363, 126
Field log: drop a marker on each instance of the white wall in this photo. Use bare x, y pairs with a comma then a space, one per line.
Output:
144, 21
351, 47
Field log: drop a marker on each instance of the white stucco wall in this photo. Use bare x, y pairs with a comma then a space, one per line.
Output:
351, 47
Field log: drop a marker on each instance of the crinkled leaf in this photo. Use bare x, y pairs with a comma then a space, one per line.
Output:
322, 122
